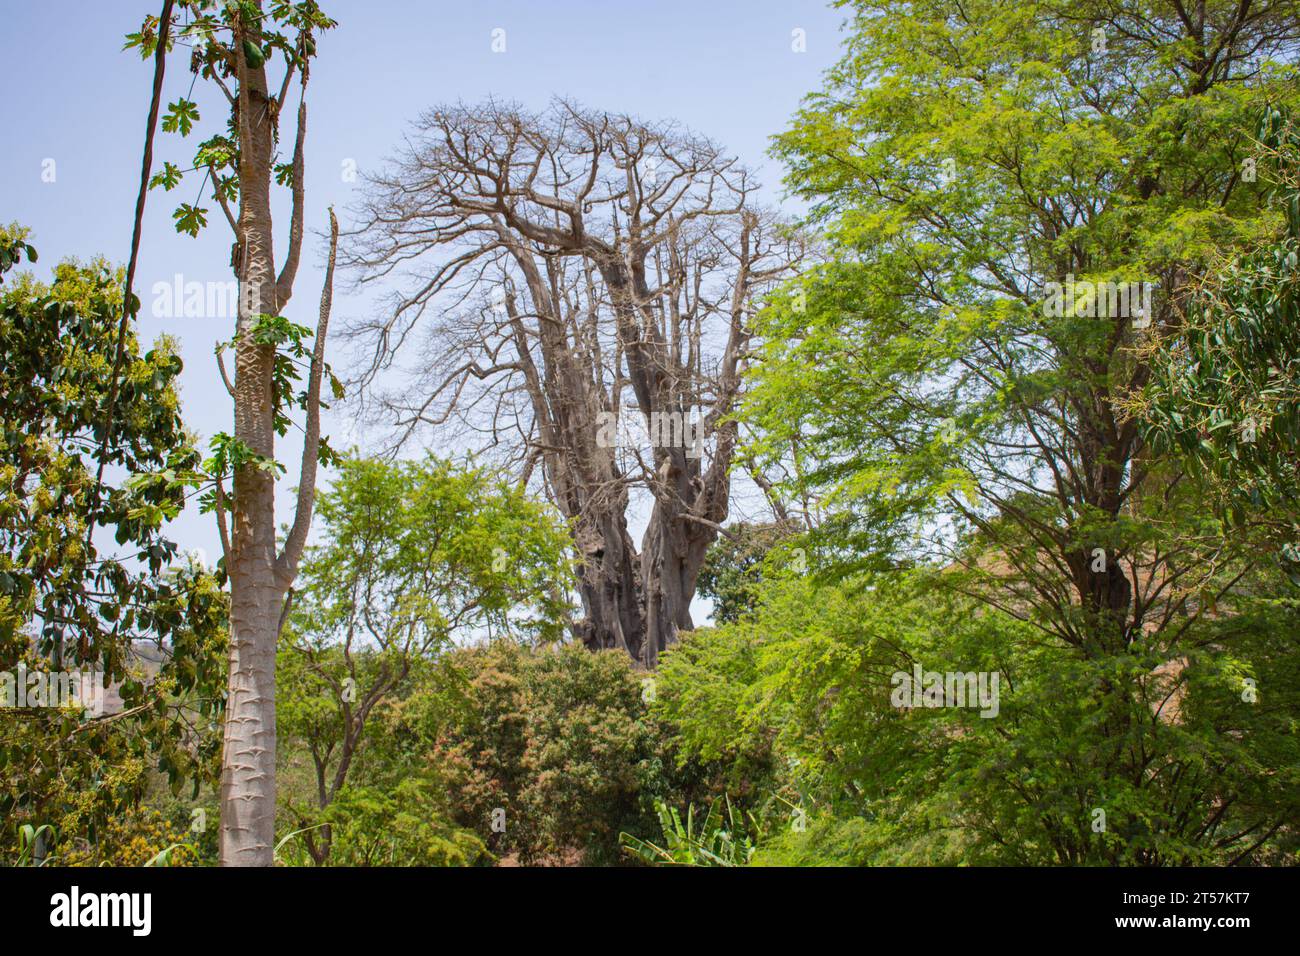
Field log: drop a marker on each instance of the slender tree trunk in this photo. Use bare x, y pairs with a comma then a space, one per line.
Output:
256, 594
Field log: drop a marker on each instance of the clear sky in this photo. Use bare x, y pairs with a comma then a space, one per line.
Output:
724, 68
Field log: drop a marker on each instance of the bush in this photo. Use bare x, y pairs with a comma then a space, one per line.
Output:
404, 826
868, 783
551, 752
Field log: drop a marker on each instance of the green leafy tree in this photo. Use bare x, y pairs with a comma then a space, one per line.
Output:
553, 753
1226, 390
413, 555
733, 567
962, 159
872, 780
87, 574
1002, 187
702, 695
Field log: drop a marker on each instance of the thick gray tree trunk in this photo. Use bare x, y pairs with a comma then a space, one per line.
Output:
639, 251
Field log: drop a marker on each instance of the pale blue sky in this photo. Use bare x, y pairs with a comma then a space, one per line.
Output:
724, 68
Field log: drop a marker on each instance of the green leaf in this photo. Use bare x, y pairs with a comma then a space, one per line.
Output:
190, 219
168, 177
180, 117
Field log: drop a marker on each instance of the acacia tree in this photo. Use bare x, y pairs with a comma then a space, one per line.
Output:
961, 172
233, 43
965, 157
586, 272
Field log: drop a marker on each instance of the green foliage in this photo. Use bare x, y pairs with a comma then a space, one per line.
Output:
287, 27
190, 219
878, 784
292, 356
29, 839
557, 739
416, 549
702, 692
1226, 393
293, 353
13, 246
717, 841
139, 836
478, 754
57, 346
826, 841
950, 412
69, 599
401, 825
960, 158
412, 555
180, 117
733, 567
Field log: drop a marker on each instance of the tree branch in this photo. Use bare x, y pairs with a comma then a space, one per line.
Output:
287, 563
284, 282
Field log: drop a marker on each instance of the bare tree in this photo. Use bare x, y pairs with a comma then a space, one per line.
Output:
585, 272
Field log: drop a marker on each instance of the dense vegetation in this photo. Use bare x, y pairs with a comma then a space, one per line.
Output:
1028, 418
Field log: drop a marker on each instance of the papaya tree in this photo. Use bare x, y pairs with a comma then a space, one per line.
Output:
236, 45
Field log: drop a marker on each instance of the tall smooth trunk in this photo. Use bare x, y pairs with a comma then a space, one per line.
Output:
248, 786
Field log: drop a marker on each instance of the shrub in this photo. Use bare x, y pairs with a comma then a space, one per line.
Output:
555, 746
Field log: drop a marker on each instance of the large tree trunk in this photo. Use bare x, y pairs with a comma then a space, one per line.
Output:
639, 252
609, 586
